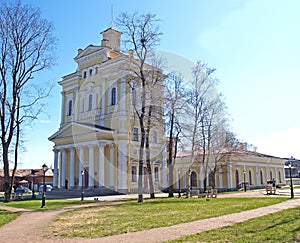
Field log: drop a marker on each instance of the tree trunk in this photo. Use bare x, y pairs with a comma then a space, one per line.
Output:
141, 160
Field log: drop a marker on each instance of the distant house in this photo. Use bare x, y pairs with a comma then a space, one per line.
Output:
31, 176
233, 168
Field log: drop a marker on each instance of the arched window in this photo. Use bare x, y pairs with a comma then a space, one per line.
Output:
90, 102
84, 74
237, 178
193, 179
261, 178
211, 179
113, 96
250, 177
70, 108
279, 176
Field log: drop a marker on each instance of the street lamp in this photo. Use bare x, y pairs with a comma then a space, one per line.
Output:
291, 180
179, 190
245, 188
33, 175
82, 192
45, 168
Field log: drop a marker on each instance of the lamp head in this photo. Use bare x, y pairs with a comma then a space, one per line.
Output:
45, 167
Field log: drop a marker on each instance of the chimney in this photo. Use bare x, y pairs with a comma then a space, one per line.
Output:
79, 51
130, 53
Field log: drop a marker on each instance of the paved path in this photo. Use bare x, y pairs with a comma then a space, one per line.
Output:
31, 226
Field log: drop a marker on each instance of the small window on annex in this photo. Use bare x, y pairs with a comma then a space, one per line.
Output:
84, 74
250, 178
134, 174
156, 173
261, 178
193, 179
113, 96
135, 134
91, 72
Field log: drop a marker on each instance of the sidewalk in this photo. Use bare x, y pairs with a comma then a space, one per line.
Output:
31, 226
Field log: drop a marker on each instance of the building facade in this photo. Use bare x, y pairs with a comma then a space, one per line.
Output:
234, 167
96, 145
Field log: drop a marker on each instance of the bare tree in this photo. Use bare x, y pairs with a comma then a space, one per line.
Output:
27, 46
201, 89
174, 109
142, 35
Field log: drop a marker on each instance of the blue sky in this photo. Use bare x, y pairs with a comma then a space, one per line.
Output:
253, 44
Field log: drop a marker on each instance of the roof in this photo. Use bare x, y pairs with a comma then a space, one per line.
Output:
27, 172
228, 151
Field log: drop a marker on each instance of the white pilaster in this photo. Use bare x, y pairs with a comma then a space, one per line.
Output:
63, 167
230, 175
111, 166
103, 102
55, 172
81, 159
220, 178
257, 175
72, 167
164, 168
62, 108
101, 174
91, 166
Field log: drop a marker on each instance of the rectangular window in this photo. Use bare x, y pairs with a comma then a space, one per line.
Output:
156, 173
135, 134
133, 174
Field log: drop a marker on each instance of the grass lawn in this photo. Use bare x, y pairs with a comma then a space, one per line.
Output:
50, 204
121, 217
6, 217
283, 226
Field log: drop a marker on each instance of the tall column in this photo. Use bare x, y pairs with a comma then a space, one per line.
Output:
101, 174
111, 166
72, 167
55, 176
81, 168
59, 169
122, 117
63, 168
91, 166
122, 166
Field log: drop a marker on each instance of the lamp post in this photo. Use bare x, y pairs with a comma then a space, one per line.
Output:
291, 180
33, 175
179, 190
245, 188
45, 168
82, 192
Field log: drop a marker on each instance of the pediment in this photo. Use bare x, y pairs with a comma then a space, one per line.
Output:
92, 52
78, 131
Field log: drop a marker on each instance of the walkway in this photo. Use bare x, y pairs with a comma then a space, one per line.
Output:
31, 226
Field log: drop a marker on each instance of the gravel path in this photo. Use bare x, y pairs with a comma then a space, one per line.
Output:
31, 226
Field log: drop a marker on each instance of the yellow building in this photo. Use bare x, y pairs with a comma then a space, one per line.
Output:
233, 168
99, 134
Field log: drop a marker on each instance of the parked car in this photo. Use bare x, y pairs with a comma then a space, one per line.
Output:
48, 188
22, 189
